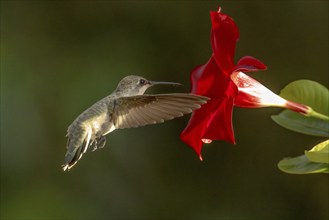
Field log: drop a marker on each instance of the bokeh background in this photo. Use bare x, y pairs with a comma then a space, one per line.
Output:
59, 57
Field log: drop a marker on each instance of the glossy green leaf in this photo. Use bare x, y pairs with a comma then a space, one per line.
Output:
301, 165
299, 123
319, 153
309, 93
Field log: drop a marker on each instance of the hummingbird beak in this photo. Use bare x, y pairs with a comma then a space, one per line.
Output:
152, 83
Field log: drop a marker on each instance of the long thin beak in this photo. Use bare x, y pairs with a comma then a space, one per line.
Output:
164, 83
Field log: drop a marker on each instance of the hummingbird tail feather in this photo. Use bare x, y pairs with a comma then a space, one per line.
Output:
76, 148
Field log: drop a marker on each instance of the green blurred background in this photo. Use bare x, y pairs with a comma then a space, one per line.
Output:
58, 58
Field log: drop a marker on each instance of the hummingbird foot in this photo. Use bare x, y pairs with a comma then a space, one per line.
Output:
99, 143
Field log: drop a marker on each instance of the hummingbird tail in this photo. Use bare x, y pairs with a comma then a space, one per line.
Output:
76, 147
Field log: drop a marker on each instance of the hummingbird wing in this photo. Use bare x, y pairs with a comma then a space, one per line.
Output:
135, 111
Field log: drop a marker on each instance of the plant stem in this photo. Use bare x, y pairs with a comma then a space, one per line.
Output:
315, 114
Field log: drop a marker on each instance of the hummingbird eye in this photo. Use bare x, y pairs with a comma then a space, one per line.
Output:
142, 81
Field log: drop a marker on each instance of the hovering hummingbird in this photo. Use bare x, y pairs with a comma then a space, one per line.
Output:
125, 107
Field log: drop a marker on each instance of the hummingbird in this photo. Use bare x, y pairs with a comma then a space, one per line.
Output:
126, 107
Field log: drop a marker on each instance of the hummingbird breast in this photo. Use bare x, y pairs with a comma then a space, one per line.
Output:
100, 125
97, 118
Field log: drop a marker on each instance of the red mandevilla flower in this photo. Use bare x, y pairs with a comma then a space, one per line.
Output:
226, 85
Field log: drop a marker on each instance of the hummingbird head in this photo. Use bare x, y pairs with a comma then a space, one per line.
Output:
137, 85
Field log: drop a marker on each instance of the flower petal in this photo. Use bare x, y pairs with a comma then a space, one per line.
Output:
220, 123
249, 64
214, 120
208, 80
224, 35
195, 130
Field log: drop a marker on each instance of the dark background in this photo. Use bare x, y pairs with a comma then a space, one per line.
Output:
59, 57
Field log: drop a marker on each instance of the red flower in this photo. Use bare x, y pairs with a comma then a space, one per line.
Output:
226, 85
213, 79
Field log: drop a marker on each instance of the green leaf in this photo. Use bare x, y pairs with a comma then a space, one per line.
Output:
301, 165
319, 153
299, 123
309, 93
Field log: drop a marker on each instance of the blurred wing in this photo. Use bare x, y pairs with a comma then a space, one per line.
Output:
135, 111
